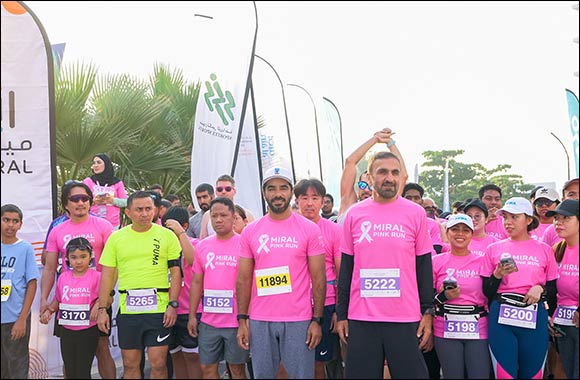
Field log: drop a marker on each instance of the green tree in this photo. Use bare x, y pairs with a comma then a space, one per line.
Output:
465, 179
146, 127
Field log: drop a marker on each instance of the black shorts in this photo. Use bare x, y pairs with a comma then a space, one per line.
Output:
136, 331
325, 349
182, 341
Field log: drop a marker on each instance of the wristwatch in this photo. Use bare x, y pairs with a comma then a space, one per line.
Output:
242, 316
317, 320
430, 311
174, 304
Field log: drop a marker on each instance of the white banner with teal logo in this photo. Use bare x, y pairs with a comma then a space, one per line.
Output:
247, 174
573, 112
29, 152
224, 35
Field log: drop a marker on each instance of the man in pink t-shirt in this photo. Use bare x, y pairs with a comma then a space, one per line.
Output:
385, 287
309, 194
214, 283
77, 198
281, 254
490, 195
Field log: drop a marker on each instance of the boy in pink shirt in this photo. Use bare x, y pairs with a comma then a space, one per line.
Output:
281, 254
385, 287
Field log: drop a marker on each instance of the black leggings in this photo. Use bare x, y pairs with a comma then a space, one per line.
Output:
78, 349
370, 343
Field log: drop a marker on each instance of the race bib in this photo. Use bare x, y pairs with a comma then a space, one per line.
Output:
380, 282
518, 316
141, 300
73, 315
459, 326
564, 315
6, 289
218, 301
273, 281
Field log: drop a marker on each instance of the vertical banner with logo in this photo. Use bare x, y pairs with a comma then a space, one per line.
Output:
225, 35
248, 173
573, 112
28, 145
331, 150
273, 128
303, 121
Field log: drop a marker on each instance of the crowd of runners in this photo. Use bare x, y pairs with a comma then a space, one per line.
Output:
385, 287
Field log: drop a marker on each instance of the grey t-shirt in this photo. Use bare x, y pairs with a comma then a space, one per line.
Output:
194, 228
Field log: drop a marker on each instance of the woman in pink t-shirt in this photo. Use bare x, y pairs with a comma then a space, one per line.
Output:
565, 316
477, 211
109, 192
460, 325
75, 300
517, 274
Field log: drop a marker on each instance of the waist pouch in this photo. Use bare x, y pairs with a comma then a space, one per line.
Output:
460, 309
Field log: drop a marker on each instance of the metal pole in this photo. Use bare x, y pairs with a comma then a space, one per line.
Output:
316, 124
566, 151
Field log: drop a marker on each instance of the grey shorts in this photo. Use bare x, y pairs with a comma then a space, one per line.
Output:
216, 344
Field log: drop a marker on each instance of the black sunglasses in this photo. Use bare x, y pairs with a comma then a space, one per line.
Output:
222, 188
78, 198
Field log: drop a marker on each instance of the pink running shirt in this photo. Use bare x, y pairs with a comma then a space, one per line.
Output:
281, 280
118, 191
217, 260
79, 293
183, 298
331, 234
479, 245
538, 233
535, 260
550, 236
567, 284
96, 230
385, 240
470, 283
495, 228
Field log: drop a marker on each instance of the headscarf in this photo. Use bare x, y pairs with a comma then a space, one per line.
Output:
107, 177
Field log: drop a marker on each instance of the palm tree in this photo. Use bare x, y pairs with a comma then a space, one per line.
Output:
145, 127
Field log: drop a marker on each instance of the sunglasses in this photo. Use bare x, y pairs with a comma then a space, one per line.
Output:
79, 198
363, 185
543, 202
72, 182
222, 188
81, 247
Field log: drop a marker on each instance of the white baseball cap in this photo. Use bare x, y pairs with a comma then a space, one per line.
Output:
517, 205
545, 192
278, 172
455, 219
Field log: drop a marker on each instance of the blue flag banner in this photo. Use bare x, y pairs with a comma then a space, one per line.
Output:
573, 113
57, 54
